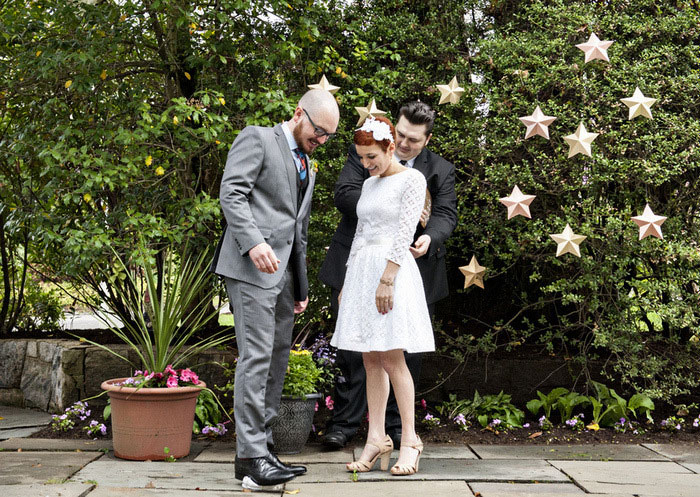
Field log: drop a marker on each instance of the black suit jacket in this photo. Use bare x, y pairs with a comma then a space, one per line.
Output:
440, 177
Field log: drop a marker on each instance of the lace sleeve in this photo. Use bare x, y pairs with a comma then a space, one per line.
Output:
412, 200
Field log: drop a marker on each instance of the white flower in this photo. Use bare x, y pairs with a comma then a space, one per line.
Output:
380, 130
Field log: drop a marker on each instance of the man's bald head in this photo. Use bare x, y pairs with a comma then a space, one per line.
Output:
315, 118
320, 102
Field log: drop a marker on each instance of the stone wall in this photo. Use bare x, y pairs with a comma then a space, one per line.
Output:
52, 374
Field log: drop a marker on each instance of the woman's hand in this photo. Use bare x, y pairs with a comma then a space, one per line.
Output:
384, 296
340, 296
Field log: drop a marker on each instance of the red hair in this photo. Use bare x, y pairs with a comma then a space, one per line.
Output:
365, 138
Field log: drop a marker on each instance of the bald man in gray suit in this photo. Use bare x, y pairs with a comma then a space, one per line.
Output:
266, 199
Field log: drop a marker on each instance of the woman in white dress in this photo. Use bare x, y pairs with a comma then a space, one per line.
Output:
382, 309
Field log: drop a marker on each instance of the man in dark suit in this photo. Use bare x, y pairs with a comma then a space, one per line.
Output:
413, 131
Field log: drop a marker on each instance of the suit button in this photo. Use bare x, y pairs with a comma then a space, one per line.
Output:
289, 242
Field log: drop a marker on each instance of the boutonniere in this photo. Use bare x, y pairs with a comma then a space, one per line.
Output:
314, 166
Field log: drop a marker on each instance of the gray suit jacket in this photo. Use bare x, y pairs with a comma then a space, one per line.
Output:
258, 196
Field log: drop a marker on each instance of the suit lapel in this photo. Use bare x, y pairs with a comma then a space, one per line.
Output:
289, 166
421, 162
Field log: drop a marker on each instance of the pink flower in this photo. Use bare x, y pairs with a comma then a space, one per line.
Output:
158, 376
329, 403
172, 381
316, 407
169, 370
423, 404
189, 375
138, 372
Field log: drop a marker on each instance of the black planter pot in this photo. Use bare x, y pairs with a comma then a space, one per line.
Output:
293, 424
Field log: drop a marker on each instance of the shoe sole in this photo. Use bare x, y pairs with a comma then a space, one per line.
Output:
244, 477
250, 485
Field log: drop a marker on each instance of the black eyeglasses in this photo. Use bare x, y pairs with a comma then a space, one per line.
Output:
318, 132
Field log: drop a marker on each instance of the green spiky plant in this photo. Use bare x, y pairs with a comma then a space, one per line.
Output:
164, 309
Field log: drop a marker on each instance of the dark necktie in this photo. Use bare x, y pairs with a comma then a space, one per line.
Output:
403, 162
302, 160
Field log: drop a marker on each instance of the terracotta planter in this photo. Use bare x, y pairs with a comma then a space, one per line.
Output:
147, 420
293, 424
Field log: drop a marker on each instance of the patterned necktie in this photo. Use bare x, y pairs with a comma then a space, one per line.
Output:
302, 160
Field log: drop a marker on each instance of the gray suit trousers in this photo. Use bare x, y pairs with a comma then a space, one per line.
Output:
264, 320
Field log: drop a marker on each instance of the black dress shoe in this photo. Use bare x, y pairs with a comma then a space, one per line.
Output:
261, 471
275, 461
335, 440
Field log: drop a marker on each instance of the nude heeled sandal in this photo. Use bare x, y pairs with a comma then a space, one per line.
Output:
385, 446
409, 469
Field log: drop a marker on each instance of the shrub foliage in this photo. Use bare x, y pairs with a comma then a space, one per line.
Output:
117, 116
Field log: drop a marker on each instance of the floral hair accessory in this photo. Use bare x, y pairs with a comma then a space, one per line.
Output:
380, 130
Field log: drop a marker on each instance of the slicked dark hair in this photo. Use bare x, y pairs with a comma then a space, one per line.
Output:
417, 113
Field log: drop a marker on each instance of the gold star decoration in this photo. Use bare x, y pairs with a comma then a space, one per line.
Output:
473, 273
568, 242
649, 223
324, 85
370, 110
595, 49
537, 123
517, 203
450, 93
639, 104
580, 142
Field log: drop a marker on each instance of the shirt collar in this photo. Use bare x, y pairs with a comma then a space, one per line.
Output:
409, 162
289, 136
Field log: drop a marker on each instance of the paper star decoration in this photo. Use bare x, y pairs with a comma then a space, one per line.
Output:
324, 85
580, 142
473, 273
370, 110
649, 223
639, 104
537, 123
518, 204
451, 92
568, 242
595, 49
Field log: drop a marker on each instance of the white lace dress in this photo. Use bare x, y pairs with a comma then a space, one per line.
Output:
388, 212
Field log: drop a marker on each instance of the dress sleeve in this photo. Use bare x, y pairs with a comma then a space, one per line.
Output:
412, 201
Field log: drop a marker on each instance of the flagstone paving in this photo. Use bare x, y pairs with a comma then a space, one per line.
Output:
16, 422
593, 452
80, 468
679, 453
50, 490
491, 489
24, 468
634, 477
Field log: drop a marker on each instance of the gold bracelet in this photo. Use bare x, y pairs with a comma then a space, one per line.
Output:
386, 282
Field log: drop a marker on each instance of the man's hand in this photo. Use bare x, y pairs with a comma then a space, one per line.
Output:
264, 258
300, 307
421, 246
424, 216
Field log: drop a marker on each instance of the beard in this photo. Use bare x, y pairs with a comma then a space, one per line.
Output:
301, 143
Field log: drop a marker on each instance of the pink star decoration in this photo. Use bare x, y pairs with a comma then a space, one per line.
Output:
595, 49
518, 204
649, 223
568, 242
537, 123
